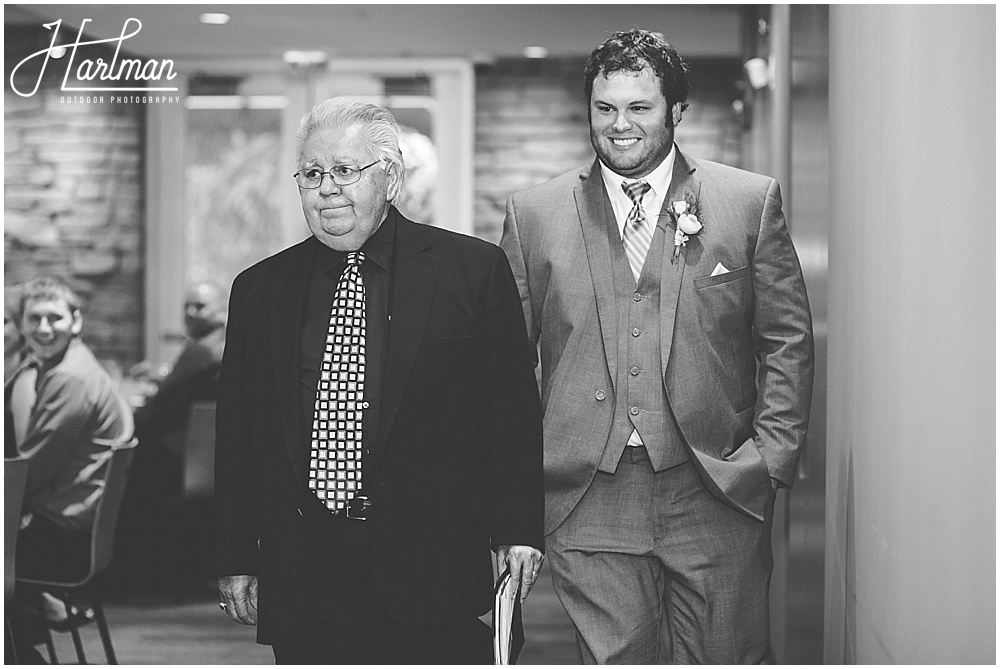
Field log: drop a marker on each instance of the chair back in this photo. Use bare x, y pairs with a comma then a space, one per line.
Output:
102, 539
199, 452
102, 534
15, 476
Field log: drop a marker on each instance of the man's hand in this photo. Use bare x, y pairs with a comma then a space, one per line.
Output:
524, 563
238, 595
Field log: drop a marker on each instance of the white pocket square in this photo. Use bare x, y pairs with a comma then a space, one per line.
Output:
719, 269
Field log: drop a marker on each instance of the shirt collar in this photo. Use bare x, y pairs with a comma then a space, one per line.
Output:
658, 179
377, 249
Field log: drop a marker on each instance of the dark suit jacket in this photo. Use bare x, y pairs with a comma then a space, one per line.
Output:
458, 457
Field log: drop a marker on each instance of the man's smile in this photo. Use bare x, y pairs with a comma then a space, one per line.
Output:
624, 143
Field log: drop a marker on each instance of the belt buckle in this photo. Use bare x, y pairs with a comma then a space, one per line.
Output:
357, 508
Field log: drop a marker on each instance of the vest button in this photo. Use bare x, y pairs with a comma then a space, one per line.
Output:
636, 297
634, 371
600, 395
635, 332
634, 411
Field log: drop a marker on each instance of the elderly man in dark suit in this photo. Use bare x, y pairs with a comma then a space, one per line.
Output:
378, 425
677, 360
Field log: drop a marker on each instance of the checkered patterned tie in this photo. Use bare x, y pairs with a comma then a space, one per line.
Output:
335, 453
636, 235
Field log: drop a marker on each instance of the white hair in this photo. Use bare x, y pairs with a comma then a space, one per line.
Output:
378, 124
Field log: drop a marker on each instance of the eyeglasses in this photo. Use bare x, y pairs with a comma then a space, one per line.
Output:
342, 175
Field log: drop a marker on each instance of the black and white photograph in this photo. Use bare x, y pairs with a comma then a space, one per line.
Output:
421, 334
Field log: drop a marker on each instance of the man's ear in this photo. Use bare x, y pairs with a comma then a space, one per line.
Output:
677, 111
394, 184
77, 323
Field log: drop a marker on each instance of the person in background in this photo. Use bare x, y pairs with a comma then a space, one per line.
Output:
157, 534
378, 425
677, 364
160, 422
18, 373
76, 418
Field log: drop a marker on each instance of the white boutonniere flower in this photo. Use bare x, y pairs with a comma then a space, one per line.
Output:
685, 214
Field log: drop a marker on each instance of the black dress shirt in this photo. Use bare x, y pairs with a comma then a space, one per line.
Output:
338, 547
376, 272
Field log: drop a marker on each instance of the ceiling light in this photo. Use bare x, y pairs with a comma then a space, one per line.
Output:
214, 19
235, 102
305, 58
535, 52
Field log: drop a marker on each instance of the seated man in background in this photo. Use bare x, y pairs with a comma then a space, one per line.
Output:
151, 525
76, 418
160, 423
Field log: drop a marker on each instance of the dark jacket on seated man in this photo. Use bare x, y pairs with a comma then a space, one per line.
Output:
76, 419
194, 378
161, 423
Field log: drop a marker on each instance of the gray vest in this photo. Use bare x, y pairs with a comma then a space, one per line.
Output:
640, 398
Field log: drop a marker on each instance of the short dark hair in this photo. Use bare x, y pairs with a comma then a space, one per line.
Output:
49, 288
632, 50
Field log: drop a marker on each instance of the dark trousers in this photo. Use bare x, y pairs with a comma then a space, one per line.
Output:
45, 551
348, 623
387, 642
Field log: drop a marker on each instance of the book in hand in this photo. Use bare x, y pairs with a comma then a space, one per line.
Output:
508, 634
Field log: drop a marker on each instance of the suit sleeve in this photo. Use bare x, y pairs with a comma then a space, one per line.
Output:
235, 477
517, 503
510, 242
783, 344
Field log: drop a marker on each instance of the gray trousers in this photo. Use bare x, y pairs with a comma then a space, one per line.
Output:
653, 569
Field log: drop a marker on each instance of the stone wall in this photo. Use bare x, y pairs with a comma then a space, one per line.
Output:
531, 125
73, 198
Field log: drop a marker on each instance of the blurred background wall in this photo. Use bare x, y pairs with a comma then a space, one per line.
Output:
73, 198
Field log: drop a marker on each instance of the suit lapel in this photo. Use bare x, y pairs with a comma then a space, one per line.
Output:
682, 180
594, 210
413, 286
288, 296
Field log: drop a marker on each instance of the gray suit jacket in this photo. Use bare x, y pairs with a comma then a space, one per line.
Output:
738, 367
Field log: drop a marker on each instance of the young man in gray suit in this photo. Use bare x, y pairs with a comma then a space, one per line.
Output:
677, 360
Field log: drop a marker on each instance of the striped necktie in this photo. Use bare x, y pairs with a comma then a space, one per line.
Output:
335, 445
636, 235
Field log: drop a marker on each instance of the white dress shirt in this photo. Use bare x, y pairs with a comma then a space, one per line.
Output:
652, 201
